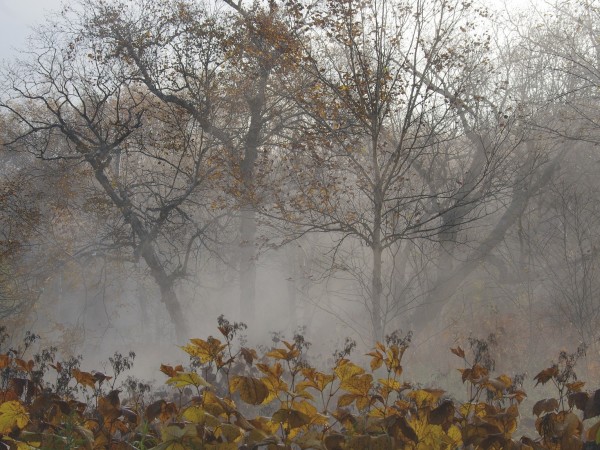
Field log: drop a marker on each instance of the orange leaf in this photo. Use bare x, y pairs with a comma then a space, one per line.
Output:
576, 386
170, 371
83, 378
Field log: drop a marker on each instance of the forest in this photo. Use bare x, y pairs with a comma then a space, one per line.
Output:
331, 224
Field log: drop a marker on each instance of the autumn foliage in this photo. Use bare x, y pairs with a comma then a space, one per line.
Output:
230, 396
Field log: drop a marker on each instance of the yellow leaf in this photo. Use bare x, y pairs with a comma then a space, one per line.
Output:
184, 379
176, 446
358, 384
12, 414
219, 446
346, 370
274, 385
205, 351
229, 432
18, 445
252, 390
175, 432
429, 436
266, 425
425, 397
468, 410
278, 353
455, 436
376, 360
194, 414
346, 399
215, 405
390, 383
311, 411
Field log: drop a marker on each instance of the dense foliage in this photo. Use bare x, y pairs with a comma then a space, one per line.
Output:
231, 397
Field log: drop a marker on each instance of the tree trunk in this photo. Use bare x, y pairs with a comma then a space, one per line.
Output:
447, 284
248, 264
377, 288
248, 226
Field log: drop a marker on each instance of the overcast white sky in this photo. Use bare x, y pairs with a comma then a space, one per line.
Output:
17, 17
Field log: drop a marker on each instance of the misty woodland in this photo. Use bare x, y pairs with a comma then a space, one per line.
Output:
319, 224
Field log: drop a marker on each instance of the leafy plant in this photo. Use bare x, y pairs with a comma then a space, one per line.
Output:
219, 402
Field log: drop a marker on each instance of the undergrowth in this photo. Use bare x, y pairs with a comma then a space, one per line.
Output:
230, 396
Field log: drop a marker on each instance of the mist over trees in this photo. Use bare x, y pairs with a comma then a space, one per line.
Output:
377, 165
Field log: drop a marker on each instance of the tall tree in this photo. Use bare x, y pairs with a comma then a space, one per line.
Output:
392, 105
227, 72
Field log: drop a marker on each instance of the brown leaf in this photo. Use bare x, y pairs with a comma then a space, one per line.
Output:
443, 414
545, 406
249, 355
475, 374
100, 377
592, 409
458, 352
546, 375
23, 365
292, 417
334, 441
130, 416
154, 409
398, 427
578, 400
18, 385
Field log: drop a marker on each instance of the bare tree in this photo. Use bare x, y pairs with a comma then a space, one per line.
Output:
408, 148
74, 101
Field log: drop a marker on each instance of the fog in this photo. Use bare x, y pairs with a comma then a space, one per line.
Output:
165, 165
